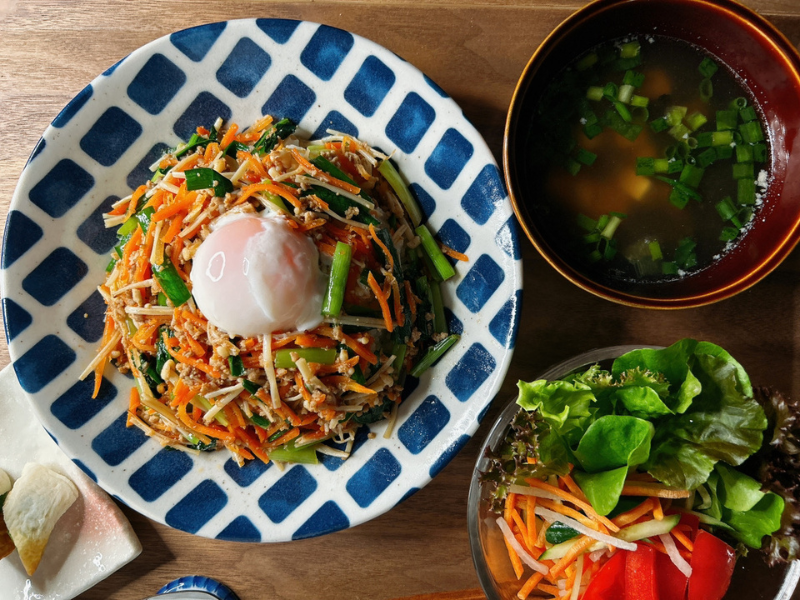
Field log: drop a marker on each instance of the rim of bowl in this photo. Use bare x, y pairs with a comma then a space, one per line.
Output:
792, 574
748, 279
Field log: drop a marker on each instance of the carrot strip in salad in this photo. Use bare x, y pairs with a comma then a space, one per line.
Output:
197, 364
229, 135
322, 175
584, 506
454, 253
632, 515
376, 289
516, 562
174, 229
382, 246
253, 444
681, 537
133, 405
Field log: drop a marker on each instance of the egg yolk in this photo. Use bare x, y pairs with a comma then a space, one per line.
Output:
255, 275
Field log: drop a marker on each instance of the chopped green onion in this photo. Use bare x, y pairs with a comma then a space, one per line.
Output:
593, 130
678, 198
235, 365
331, 169
572, 166
721, 138
610, 250
203, 404
613, 222
591, 238
704, 139
110, 266
587, 61
127, 227
322, 356
602, 222
744, 216
691, 176
696, 120
655, 250
594, 93
586, 157
707, 67
144, 217
744, 153
706, 157
728, 234
443, 267
751, 132
727, 119
691, 142
269, 139
398, 185
623, 111
306, 455
610, 91
615, 122
738, 103
675, 115
680, 132
661, 165
625, 93
624, 64
684, 251
171, 283
629, 49
724, 152
594, 256
659, 125
759, 153
671, 151
748, 113
433, 354
640, 114
262, 422
669, 268
633, 78
746, 193
645, 166
203, 179
586, 223
340, 269
743, 171
726, 208
439, 320
641, 101
194, 142
162, 299
706, 89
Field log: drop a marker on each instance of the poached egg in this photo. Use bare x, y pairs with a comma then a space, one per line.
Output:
255, 275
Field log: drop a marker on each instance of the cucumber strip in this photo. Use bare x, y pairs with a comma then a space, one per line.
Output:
648, 529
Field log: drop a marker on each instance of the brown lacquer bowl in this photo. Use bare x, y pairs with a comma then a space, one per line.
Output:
765, 62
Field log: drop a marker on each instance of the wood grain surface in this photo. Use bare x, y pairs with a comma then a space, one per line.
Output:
49, 50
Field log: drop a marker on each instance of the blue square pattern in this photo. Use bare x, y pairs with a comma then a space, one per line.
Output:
141, 172
410, 123
62, 188
156, 84
454, 324
424, 424
76, 407
507, 238
505, 323
204, 110
117, 442
408, 495
484, 195
470, 372
55, 276
292, 98
15, 317
448, 158
426, 201
110, 70
373, 477
327, 519
85, 469
448, 455
244, 67
87, 320
197, 508
94, 233
43, 363
110, 136
280, 30
37, 150
160, 473
241, 529
453, 235
247, 474
197, 41
435, 87
369, 87
331, 462
289, 492
480, 282
336, 121
326, 50
71, 109
21, 235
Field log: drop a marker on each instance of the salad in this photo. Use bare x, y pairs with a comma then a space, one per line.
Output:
270, 294
645, 481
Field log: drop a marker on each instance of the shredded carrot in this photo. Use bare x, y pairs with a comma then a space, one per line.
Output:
322, 175
454, 253
348, 384
382, 246
173, 209
585, 507
197, 364
229, 135
568, 512
632, 515
173, 229
573, 487
516, 562
521, 525
681, 537
387, 314
658, 511
411, 299
284, 192
222, 434
211, 151
253, 444
530, 517
135, 200
134, 404
529, 586
577, 548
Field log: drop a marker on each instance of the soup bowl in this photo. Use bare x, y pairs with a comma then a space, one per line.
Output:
764, 62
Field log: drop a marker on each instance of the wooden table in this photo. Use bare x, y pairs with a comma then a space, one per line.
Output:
50, 49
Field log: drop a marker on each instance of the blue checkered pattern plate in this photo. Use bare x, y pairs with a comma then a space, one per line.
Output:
100, 146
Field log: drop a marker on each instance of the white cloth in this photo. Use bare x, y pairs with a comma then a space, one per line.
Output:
91, 540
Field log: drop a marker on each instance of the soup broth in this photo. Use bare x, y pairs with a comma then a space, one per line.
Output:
649, 160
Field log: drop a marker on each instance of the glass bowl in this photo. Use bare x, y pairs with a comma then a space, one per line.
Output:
752, 578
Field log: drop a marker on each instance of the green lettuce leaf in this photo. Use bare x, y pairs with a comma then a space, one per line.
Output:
642, 402
602, 489
614, 441
752, 525
737, 491
563, 405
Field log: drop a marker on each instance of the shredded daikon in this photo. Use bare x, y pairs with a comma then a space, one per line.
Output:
524, 556
577, 526
674, 555
532, 491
